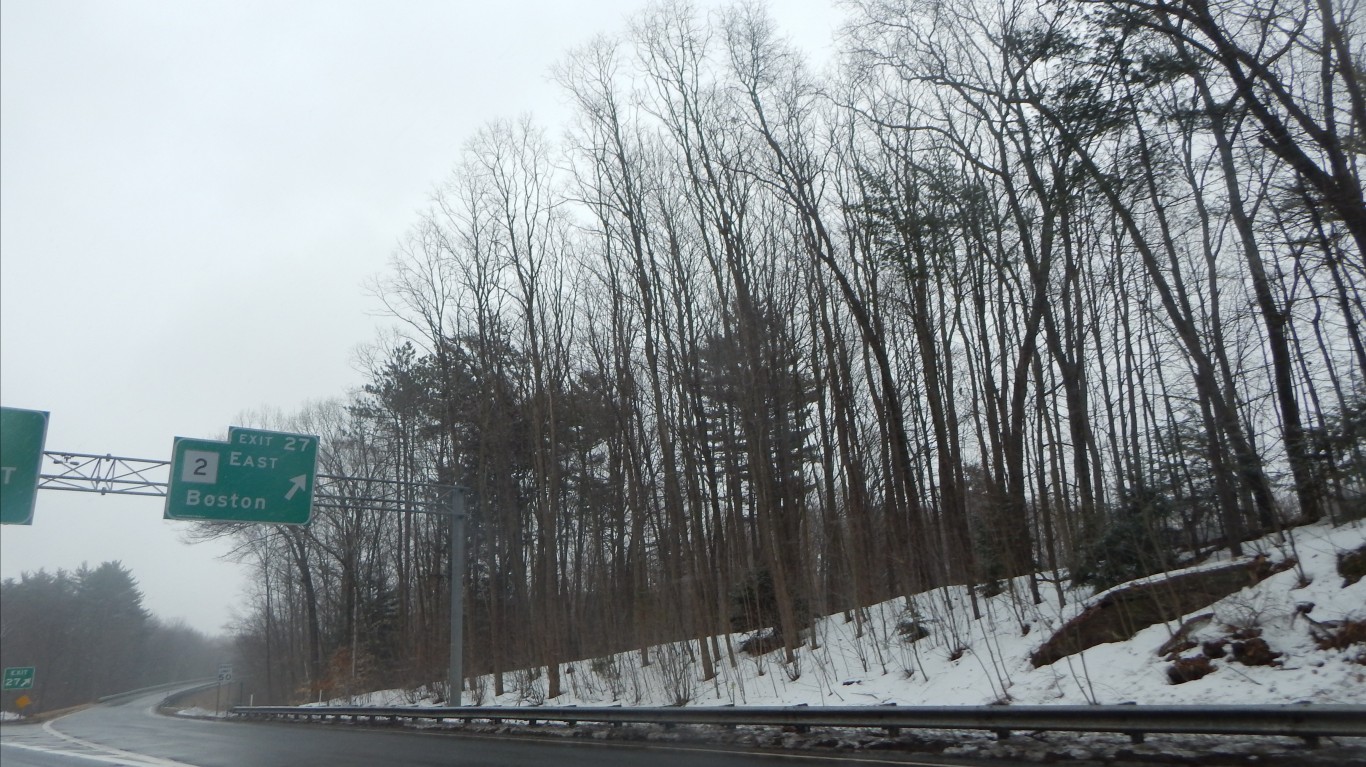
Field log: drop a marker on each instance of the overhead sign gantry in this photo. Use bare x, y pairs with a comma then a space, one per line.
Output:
255, 476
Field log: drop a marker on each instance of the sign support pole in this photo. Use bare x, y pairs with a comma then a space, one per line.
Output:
456, 676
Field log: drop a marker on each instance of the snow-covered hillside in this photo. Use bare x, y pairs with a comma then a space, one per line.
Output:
874, 658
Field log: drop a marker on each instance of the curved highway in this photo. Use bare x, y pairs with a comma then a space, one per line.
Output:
132, 734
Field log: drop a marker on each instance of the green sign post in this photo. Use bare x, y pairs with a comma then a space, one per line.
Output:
22, 433
256, 476
19, 678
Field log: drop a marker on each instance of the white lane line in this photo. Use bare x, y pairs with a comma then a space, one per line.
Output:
143, 760
77, 755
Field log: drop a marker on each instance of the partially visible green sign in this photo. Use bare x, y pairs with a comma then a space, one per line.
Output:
256, 476
22, 433
19, 678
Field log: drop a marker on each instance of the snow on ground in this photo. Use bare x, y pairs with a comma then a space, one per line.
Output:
865, 660
871, 657
195, 712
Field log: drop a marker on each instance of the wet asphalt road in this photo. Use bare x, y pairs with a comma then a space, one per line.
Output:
132, 734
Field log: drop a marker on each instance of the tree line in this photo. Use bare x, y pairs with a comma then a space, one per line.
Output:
87, 635
1010, 289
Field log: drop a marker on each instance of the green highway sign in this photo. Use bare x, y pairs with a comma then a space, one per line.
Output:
19, 678
256, 476
22, 433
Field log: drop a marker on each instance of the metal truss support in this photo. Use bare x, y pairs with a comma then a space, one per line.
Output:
103, 474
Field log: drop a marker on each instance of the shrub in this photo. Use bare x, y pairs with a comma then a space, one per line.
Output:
1254, 652
754, 602
1131, 546
674, 665
911, 630
1352, 566
527, 683
1340, 636
1189, 669
761, 643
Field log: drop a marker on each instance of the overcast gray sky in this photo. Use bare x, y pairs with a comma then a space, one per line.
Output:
192, 197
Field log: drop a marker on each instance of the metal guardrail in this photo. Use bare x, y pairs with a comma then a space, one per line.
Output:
1306, 721
178, 695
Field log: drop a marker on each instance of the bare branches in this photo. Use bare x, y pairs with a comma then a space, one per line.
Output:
752, 344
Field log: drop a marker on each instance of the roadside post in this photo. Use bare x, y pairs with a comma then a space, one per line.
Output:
19, 678
224, 675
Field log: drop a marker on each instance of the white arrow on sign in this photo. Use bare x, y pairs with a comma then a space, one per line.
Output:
296, 485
